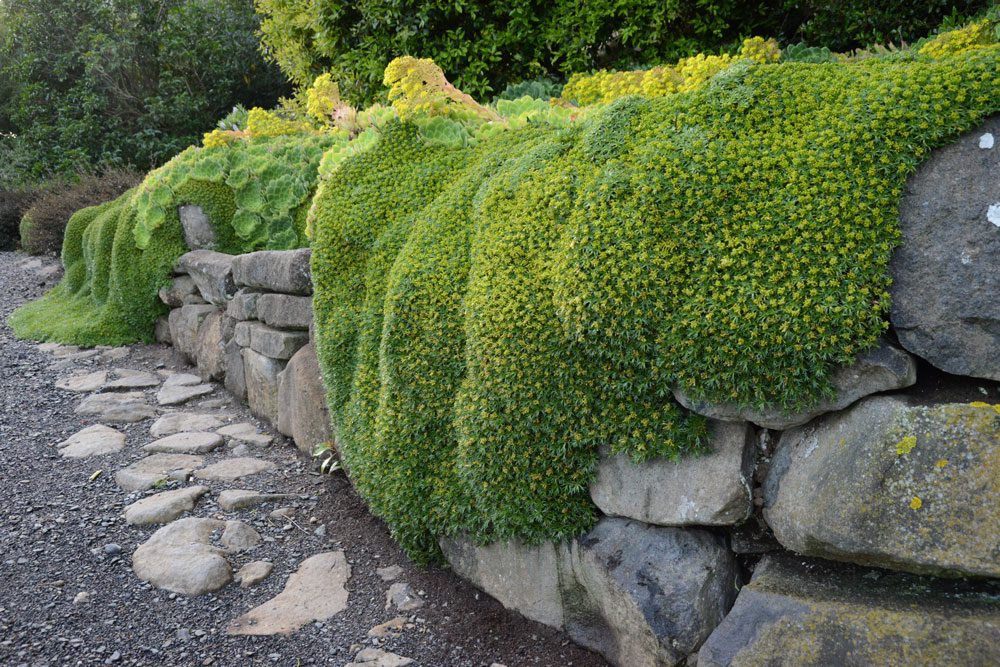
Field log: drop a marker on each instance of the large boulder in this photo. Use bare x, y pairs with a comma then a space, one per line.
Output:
198, 231
712, 489
261, 376
185, 323
181, 558
882, 368
302, 410
890, 484
210, 350
284, 271
285, 311
814, 614
212, 272
640, 595
945, 282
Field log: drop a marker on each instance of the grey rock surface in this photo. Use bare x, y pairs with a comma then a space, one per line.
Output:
127, 407
253, 573
163, 507
181, 558
83, 383
198, 231
285, 271
130, 379
241, 499
212, 272
238, 536
944, 305
889, 484
210, 350
276, 343
176, 293
882, 368
235, 375
245, 433
229, 470
261, 375
243, 305
177, 394
147, 472
711, 489
94, 440
178, 422
190, 442
812, 613
302, 409
285, 311
185, 323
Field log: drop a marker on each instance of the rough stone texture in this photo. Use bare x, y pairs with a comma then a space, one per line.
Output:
185, 323
245, 433
646, 595
163, 507
235, 374
238, 537
523, 578
146, 473
198, 231
180, 558
193, 442
129, 379
275, 343
126, 407
241, 333
178, 422
315, 592
710, 490
945, 282
815, 614
262, 384
161, 331
914, 488
253, 573
240, 499
883, 368
178, 291
177, 394
92, 441
285, 311
243, 305
376, 657
82, 384
212, 272
302, 412
285, 271
402, 596
181, 380
210, 350
229, 470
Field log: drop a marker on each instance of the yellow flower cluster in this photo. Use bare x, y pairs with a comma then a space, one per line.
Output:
418, 87
972, 36
686, 75
262, 124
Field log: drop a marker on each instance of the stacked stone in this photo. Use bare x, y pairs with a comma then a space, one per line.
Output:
246, 321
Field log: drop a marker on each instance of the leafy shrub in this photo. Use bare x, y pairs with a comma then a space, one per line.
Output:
488, 315
539, 89
800, 53
13, 203
42, 226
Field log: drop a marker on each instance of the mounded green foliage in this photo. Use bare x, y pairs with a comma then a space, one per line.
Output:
117, 255
488, 315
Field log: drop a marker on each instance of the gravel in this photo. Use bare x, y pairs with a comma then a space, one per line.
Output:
69, 595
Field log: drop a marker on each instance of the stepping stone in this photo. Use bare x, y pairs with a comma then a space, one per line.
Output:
182, 393
180, 558
376, 657
62, 350
387, 629
92, 441
253, 573
402, 596
315, 592
146, 473
128, 379
115, 354
181, 380
238, 537
178, 422
83, 383
239, 499
186, 443
246, 432
49, 348
163, 507
230, 470
390, 573
80, 356
117, 407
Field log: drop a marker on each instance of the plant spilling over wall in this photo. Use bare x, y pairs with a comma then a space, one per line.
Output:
490, 312
117, 255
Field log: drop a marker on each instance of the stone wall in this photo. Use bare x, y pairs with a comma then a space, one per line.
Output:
863, 531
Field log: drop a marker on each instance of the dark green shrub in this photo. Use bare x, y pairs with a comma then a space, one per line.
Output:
42, 226
540, 89
13, 203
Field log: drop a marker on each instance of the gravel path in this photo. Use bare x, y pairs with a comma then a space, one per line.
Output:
69, 595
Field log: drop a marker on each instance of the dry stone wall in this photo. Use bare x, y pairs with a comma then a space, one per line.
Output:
863, 531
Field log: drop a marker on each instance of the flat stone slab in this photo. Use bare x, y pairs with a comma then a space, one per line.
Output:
196, 442
92, 441
813, 613
181, 558
85, 383
181, 380
238, 537
246, 433
239, 499
230, 470
129, 379
163, 507
126, 407
176, 395
284, 311
376, 657
402, 596
284, 271
146, 473
276, 343
179, 422
253, 573
212, 272
316, 592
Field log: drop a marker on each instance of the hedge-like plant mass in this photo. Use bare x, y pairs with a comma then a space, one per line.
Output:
489, 316
117, 255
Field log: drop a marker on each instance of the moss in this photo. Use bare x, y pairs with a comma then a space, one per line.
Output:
906, 445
